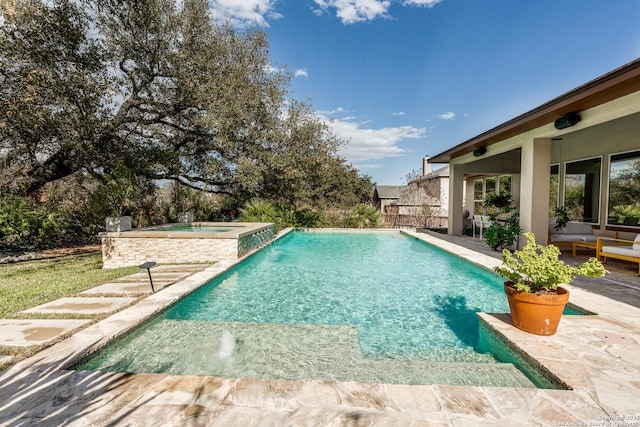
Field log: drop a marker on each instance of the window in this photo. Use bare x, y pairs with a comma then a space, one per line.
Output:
504, 184
483, 187
582, 189
554, 189
489, 188
478, 196
624, 189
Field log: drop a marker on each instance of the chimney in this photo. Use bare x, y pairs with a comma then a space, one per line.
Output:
426, 166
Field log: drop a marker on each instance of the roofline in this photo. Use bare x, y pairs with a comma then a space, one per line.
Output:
612, 85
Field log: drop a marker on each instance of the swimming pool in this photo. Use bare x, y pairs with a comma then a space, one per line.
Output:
367, 306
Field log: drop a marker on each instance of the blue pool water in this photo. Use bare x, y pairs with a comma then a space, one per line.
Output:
370, 306
405, 297
190, 228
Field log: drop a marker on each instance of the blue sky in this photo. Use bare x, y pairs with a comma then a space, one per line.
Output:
401, 79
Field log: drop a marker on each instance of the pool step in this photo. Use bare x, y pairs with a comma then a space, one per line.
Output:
289, 352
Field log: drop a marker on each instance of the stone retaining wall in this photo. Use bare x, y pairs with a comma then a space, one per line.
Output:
131, 248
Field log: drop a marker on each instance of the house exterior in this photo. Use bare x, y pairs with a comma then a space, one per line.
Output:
423, 202
426, 199
384, 195
580, 150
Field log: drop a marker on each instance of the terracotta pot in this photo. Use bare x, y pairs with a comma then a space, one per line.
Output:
536, 314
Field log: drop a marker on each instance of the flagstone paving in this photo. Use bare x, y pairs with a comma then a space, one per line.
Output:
22, 333
595, 356
127, 288
156, 275
26, 332
82, 305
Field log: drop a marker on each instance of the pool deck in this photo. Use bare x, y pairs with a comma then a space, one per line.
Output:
598, 357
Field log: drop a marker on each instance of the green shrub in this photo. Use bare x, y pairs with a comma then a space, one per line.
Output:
538, 268
258, 211
27, 225
308, 218
363, 216
500, 236
625, 214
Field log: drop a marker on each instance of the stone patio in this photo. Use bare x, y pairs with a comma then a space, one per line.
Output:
595, 356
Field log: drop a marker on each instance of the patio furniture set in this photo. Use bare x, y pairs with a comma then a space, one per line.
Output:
581, 235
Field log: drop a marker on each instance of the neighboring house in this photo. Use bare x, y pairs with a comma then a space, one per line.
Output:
423, 202
580, 150
384, 195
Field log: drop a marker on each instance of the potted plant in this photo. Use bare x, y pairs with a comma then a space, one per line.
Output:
533, 276
501, 236
501, 201
562, 217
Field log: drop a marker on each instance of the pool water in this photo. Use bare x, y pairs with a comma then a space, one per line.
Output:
197, 228
369, 307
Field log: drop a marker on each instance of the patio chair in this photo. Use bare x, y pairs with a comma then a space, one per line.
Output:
571, 232
480, 221
625, 250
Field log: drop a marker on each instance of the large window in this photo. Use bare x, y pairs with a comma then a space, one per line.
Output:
483, 187
554, 189
582, 189
624, 189
478, 196
504, 184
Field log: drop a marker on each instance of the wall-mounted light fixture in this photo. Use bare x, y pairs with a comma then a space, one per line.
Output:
479, 151
567, 120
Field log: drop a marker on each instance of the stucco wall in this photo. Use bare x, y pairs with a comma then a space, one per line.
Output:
612, 137
616, 136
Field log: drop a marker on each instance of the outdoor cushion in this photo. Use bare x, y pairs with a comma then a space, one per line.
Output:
622, 250
573, 232
577, 228
636, 243
552, 228
573, 238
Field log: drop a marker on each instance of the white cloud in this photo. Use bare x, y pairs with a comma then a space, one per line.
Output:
367, 144
427, 3
366, 166
447, 116
338, 110
243, 13
300, 72
351, 11
398, 113
272, 69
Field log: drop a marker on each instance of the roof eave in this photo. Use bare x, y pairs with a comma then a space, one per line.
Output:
615, 84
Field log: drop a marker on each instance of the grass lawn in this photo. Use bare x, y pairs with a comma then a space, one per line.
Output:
30, 283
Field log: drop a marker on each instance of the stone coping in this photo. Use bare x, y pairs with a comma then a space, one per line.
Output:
238, 229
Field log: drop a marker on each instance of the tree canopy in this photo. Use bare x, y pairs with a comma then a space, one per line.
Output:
157, 88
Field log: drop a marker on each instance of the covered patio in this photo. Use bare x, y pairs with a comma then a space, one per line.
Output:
566, 152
